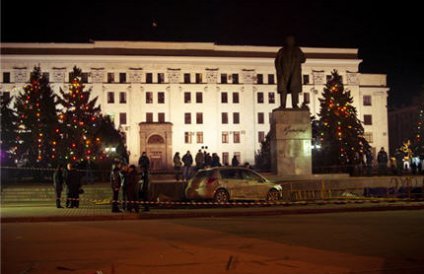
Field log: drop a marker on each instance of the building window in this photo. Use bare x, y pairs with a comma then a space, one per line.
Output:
110, 97
260, 98
367, 119
225, 137
224, 78
261, 118
46, 76
149, 117
84, 77
236, 118
225, 158
306, 79
369, 137
259, 78
122, 97
199, 97
6, 77
367, 100
236, 137
199, 118
161, 97
306, 98
187, 118
271, 97
235, 77
149, 78
271, 79
122, 118
161, 117
161, 78
149, 97
224, 118
187, 79
187, 97
224, 97
261, 136
199, 78
199, 137
187, 137
110, 77
122, 77
236, 98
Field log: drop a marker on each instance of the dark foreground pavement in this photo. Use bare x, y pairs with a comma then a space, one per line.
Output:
356, 242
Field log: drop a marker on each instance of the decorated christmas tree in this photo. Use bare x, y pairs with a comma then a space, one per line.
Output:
37, 121
78, 122
341, 134
7, 131
418, 141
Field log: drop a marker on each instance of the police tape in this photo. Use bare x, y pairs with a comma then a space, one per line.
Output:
247, 204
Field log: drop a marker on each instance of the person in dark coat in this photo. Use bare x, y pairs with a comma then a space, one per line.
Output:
144, 191
235, 161
177, 166
187, 161
200, 160
144, 162
369, 159
115, 183
73, 183
382, 160
215, 160
208, 160
131, 182
124, 185
288, 65
58, 181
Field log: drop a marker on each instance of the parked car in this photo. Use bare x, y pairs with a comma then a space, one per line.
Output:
222, 184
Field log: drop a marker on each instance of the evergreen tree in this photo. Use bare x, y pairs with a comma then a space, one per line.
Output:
418, 140
341, 134
79, 121
37, 121
7, 131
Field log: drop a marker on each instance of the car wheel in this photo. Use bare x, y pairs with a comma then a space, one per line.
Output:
221, 196
273, 195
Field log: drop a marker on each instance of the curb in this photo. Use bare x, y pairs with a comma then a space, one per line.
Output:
217, 214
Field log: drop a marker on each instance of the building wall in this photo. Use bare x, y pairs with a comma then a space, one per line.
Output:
173, 67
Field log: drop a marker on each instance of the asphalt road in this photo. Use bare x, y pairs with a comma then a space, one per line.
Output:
368, 242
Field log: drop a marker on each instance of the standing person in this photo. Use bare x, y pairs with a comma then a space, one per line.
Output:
369, 159
200, 160
177, 166
124, 185
235, 162
73, 183
115, 183
132, 181
208, 160
144, 162
215, 160
144, 191
58, 181
382, 161
188, 161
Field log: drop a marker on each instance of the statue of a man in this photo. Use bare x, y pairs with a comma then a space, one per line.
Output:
288, 64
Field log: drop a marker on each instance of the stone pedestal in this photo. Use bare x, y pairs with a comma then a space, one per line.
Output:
291, 135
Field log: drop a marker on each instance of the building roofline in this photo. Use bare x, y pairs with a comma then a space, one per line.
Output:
167, 49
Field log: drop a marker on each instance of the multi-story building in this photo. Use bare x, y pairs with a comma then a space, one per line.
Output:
171, 97
402, 125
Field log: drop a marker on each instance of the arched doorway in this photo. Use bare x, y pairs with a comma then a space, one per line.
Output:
156, 149
156, 141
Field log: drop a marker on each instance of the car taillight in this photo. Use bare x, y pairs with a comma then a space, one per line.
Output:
210, 180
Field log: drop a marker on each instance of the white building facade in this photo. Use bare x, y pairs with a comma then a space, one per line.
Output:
174, 97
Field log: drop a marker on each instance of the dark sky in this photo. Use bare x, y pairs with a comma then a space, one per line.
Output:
387, 35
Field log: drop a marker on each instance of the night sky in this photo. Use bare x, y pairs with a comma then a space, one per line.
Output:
387, 35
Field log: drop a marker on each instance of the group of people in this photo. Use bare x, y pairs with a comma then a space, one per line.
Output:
123, 177
184, 166
70, 178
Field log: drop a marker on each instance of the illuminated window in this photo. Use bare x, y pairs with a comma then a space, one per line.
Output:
236, 137
368, 136
225, 137
187, 137
225, 158
199, 137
